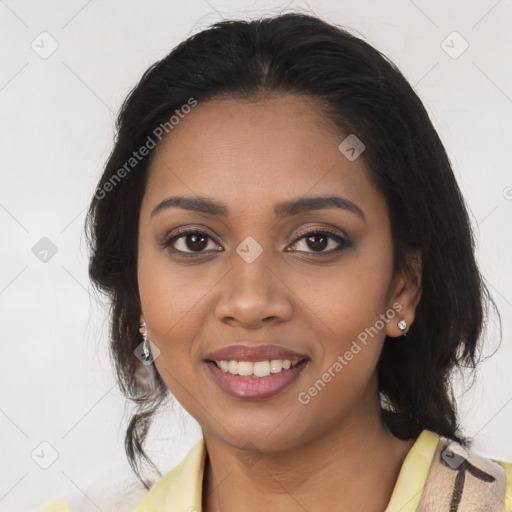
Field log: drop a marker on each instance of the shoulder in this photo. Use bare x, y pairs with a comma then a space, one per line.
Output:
461, 480
113, 488
55, 506
180, 489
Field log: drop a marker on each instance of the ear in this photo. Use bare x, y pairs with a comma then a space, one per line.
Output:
406, 294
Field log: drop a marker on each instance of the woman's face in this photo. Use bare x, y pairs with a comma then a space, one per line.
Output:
277, 275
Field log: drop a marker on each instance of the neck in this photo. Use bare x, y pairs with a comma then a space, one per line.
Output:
338, 467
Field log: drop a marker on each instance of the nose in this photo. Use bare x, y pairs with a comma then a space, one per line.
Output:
253, 294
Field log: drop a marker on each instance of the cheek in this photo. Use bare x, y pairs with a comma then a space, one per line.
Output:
349, 298
351, 336
169, 293
177, 303
347, 306
168, 302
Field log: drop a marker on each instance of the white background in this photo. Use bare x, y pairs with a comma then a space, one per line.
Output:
56, 133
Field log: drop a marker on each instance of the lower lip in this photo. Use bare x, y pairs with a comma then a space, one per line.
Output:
255, 388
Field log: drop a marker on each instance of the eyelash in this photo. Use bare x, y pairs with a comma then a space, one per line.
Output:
343, 242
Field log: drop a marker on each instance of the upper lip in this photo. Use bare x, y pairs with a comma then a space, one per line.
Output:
254, 353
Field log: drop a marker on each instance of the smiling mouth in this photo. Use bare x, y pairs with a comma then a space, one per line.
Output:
258, 369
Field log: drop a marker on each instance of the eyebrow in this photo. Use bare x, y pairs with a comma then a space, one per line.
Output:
281, 210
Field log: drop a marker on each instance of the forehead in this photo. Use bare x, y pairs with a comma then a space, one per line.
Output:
249, 152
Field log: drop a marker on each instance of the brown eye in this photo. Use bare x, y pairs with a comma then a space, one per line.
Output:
189, 242
318, 240
196, 242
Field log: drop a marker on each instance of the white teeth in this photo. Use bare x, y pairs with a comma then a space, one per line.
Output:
257, 369
244, 368
276, 366
233, 367
261, 368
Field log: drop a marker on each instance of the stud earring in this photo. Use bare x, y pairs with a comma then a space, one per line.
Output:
402, 325
146, 348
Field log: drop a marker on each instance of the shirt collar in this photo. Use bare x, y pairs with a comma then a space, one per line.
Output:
181, 489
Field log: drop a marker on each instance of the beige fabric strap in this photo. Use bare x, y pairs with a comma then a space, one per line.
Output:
460, 481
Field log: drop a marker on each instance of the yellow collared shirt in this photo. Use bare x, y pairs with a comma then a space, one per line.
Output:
437, 475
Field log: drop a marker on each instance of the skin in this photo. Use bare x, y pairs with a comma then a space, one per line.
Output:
251, 155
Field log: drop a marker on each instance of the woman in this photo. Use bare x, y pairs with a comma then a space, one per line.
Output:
288, 254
